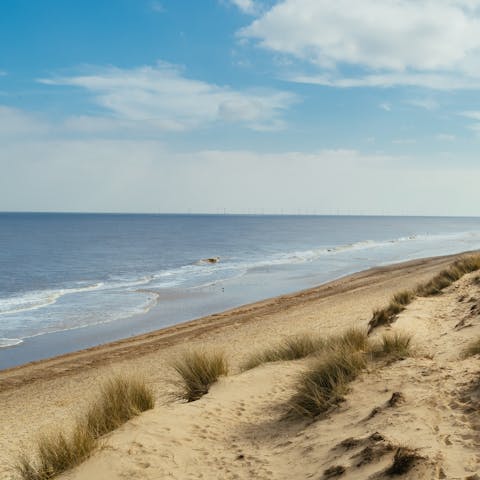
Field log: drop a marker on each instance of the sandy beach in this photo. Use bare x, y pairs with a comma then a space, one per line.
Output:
236, 431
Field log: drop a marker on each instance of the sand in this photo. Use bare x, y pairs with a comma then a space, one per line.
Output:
237, 430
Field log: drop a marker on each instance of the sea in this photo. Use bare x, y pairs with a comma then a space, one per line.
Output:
71, 281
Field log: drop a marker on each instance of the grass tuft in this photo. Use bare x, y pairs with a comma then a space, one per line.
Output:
352, 339
446, 277
472, 349
120, 399
292, 348
393, 346
57, 453
326, 382
398, 303
198, 370
387, 315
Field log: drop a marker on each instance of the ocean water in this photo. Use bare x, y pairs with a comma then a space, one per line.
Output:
65, 272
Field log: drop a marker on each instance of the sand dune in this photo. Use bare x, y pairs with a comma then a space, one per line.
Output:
426, 403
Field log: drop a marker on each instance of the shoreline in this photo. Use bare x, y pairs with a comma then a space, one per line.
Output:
143, 344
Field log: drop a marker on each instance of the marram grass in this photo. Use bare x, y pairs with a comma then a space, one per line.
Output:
398, 303
197, 371
120, 399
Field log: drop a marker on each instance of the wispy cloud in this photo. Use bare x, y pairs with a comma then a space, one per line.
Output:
347, 35
165, 98
246, 6
475, 115
386, 106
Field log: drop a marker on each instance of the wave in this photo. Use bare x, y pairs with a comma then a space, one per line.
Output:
10, 342
43, 298
38, 299
203, 272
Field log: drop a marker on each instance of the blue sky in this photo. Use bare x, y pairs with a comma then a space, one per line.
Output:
244, 105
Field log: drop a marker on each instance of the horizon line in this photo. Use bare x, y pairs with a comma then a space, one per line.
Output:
238, 214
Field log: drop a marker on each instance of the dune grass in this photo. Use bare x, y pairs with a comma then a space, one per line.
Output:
326, 382
392, 346
57, 453
398, 303
301, 346
292, 348
351, 339
343, 358
472, 349
386, 315
120, 399
446, 277
197, 371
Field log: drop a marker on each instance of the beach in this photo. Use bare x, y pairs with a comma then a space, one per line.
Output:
177, 440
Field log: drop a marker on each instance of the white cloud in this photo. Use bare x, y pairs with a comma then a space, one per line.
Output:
127, 175
427, 43
246, 6
386, 106
471, 114
164, 98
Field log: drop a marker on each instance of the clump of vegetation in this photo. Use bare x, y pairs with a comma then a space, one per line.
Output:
352, 339
326, 382
120, 399
197, 371
387, 315
472, 349
398, 303
446, 277
403, 461
392, 346
57, 453
292, 348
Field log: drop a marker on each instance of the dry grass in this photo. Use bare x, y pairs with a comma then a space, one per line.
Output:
392, 346
197, 371
120, 399
302, 346
352, 339
472, 349
293, 348
57, 453
326, 382
386, 315
446, 277
398, 303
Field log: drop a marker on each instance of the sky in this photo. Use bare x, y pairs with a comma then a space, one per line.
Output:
241, 106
